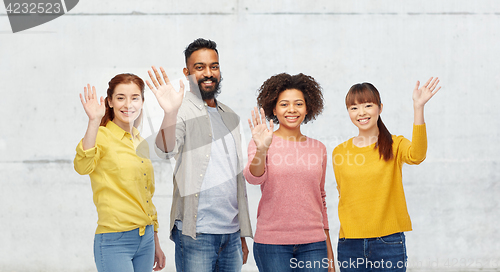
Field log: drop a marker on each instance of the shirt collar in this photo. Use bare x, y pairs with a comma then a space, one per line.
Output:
118, 131
200, 104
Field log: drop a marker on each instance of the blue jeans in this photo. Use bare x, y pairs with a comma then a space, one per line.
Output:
125, 251
280, 258
208, 252
387, 253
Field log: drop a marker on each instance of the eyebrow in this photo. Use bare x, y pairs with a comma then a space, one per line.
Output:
201, 63
124, 94
288, 100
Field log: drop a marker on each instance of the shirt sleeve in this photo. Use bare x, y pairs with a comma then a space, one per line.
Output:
86, 160
414, 152
323, 192
252, 149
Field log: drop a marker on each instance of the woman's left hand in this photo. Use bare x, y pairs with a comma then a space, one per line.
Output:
425, 93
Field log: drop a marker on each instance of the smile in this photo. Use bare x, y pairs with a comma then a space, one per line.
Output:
363, 121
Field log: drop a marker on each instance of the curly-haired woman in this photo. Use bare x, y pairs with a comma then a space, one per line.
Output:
292, 222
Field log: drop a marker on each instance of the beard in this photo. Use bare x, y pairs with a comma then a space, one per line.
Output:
209, 93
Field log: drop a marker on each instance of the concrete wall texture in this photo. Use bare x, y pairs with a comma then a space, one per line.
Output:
47, 215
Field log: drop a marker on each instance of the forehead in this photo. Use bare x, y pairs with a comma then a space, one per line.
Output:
291, 95
127, 89
203, 56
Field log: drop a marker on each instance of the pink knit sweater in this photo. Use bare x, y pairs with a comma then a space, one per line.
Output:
292, 209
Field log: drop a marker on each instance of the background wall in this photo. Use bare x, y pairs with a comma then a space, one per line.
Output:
47, 214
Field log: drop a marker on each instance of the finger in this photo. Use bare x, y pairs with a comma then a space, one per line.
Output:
102, 100
418, 84
151, 87
81, 99
256, 117
434, 83
94, 93
181, 83
271, 125
85, 94
158, 77
427, 83
249, 124
153, 79
262, 116
254, 120
165, 77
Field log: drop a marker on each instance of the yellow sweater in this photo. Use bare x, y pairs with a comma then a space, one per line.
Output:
371, 197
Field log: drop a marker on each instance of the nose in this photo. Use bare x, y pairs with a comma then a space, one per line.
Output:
207, 72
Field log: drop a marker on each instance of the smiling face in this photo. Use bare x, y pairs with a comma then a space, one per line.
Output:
290, 109
126, 103
203, 64
365, 116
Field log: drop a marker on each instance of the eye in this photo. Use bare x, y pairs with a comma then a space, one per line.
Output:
120, 98
215, 67
135, 98
283, 104
353, 108
199, 68
369, 105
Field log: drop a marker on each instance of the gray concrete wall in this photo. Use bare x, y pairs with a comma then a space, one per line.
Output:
47, 215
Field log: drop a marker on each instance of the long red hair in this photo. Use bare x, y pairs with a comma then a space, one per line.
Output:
367, 93
115, 81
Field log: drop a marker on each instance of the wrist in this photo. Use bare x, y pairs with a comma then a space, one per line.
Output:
95, 121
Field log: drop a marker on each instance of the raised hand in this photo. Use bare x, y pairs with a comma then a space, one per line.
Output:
94, 110
424, 94
169, 100
261, 134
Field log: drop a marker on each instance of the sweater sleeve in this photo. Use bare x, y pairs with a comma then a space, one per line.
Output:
323, 192
252, 149
414, 152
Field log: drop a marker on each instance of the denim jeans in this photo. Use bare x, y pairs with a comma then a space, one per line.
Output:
125, 251
281, 258
208, 252
387, 253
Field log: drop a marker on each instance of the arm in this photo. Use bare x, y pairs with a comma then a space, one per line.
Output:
245, 250
86, 152
331, 258
159, 255
262, 136
414, 152
421, 97
170, 101
95, 112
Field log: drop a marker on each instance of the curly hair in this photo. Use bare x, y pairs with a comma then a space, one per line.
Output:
272, 87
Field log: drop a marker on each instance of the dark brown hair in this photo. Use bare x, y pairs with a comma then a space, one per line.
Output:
115, 81
367, 93
272, 87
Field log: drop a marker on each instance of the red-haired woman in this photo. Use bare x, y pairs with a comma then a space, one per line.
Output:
116, 158
372, 205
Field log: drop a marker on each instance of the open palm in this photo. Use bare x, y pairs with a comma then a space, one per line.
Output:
423, 94
92, 107
261, 134
169, 99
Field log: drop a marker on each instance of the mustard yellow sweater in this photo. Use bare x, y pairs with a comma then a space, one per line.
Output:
371, 197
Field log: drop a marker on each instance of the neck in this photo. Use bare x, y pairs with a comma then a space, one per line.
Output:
211, 102
290, 134
125, 126
366, 137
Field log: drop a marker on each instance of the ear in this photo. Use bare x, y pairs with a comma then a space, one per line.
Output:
107, 100
381, 108
185, 71
274, 111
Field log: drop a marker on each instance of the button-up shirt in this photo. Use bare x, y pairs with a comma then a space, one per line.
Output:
192, 153
122, 179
